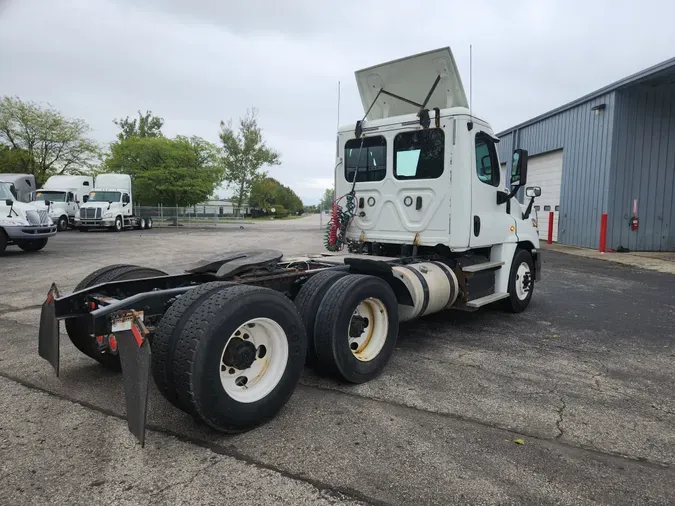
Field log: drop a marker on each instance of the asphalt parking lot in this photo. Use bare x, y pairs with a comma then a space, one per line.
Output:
584, 378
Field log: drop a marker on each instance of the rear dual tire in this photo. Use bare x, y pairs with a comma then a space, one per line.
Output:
356, 328
230, 355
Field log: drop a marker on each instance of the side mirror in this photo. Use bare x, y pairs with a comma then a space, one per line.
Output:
47, 202
519, 168
533, 191
9, 202
85, 198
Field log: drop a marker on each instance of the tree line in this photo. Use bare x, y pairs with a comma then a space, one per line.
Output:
179, 171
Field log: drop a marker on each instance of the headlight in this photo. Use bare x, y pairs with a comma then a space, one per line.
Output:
108, 215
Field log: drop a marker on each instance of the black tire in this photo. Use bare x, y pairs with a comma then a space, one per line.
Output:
148, 225
62, 223
119, 224
3, 241
197, 359
141, 224
77, 327
331, 330
32, 245
166, 336
308, 300
513, 303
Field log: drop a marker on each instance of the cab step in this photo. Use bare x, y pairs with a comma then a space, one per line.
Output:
488, 299
482, 267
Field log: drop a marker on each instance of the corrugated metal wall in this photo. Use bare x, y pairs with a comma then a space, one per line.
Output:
644, 169
586, 140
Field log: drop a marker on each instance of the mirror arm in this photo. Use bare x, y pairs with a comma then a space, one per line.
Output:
502, 198
527, 212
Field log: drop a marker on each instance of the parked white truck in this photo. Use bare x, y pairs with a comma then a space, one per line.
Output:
23, 224
22, 186
65, 194
430, 221
110, 205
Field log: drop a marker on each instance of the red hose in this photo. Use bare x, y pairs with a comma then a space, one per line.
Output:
334, 224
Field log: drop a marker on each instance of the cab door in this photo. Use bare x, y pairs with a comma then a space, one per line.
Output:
126, 204
490, 221
71, 206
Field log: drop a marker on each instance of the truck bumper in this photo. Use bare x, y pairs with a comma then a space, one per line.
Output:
108, 222
30, 232
536, 257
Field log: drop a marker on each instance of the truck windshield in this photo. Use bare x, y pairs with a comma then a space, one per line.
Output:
51, 196
104, 196
6, 192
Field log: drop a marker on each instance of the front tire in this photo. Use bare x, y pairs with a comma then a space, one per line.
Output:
33, 245
62, 223
356, 328
521, 282
3, 241
118, 224
239, 357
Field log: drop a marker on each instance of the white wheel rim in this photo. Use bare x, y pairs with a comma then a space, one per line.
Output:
142, 223
265, 372
118, 224
523, 281
368, 344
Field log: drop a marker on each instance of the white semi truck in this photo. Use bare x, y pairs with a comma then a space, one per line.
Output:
65, 194
430, 222
23, 224
22, 186
110, 205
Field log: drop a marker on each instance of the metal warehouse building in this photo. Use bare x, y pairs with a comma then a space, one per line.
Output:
613, 152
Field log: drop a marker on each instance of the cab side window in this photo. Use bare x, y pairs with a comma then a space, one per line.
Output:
487, 165
125, 198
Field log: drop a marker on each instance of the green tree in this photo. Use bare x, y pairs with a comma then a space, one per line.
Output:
245, 153
267, 192
176, 172
146, 125
43, 141
327, 199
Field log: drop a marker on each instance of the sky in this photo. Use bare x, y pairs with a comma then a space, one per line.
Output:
198, 62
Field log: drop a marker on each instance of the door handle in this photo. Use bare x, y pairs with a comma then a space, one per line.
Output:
476, 226
418, 203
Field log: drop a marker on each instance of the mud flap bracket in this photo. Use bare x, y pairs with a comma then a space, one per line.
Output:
135, 354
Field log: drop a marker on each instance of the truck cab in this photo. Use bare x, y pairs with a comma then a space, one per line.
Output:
65, 194
110, 205
23, 224
420, 172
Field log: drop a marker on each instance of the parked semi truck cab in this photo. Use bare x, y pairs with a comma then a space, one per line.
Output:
421, 173
65, 194
22, 224
110, 205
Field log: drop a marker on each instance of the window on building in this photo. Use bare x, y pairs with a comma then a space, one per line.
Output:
537, 208
547, 208
557, 208
419, 154
369, 155
487, 165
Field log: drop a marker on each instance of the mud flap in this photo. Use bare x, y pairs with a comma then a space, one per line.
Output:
134, 351
48, 335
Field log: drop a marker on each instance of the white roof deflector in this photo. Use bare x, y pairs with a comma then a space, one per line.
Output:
401, 86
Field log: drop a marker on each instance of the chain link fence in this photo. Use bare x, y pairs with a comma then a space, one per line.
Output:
193, 216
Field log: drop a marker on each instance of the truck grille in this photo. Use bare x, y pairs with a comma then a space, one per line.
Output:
40, 217
89, 213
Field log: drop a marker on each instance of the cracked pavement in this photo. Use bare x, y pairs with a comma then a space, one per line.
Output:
584, 377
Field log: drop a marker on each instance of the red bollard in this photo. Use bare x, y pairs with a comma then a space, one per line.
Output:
550, 227
603, 232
